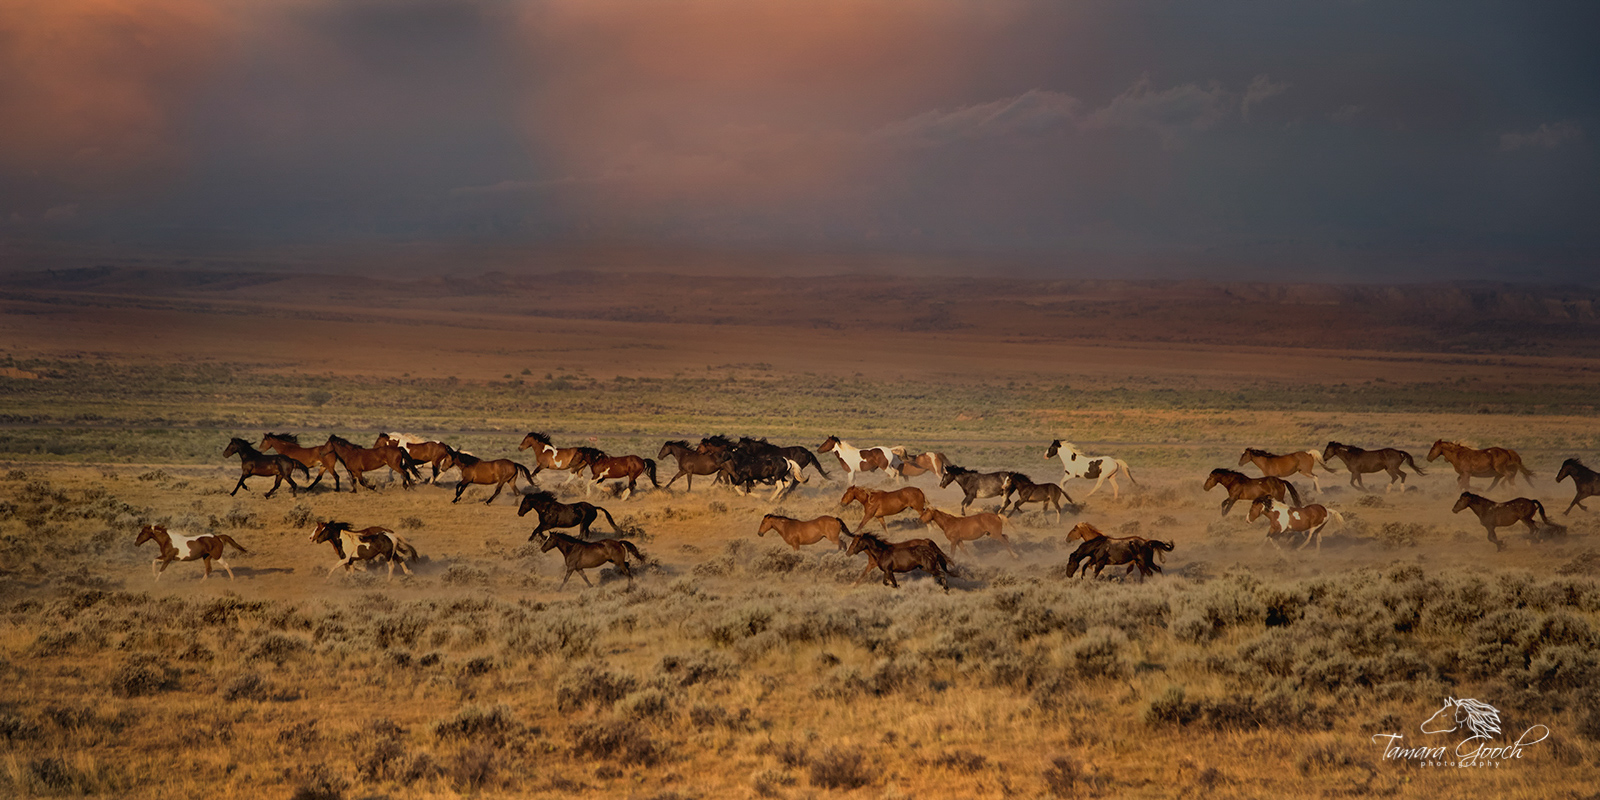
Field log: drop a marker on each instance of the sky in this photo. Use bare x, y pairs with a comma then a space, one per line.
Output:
1308, 140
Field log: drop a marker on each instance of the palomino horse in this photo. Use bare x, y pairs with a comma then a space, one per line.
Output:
691, 462
422, 451
892, 557
547, 456
876, 505
960, 530
1243, 487
1360, 461
615, 467
1586, 480
977, 485
580, 555
922, 464
368, 544
1499, 515
555, 514
1281, 519
1101, 551
288, 444
798, 532
799, 455
862, 459
1494, 462
358, 460
206, 547
1276, 466
253, 462
1097, 468
499, 472
1026, 491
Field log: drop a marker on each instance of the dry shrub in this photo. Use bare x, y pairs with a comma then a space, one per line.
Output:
1237, 711
650, 704
142, 676
380, 754
691, 668
840, 768
1067, 776
321, 783
617, 740
1395, 535
771, 782
709, 716
278, 647
961, 761
299, 516
476, 722
595, 684
1102, 653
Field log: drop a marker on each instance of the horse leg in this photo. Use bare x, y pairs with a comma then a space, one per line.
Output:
864, 573
207, 562
1496, 482
239, 485
225, 566
1314, 482
1116, 491
497, 488
1498, 545
622, 565
585, 576
1007, 542
1098, 481
277, 480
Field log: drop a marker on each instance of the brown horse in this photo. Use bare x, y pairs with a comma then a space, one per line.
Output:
580, 555
960, 530
358, 460
179, 547
1101, 551
1494, 462
892, 557
862, 459
426, 452
555, 514
1026, 491
368, 544
474, 470
1499, 515
876, 505
288, 444
1585, 480
1282, 466
922, 464
1281, 519
797, 532
630, 467
1360, 462
547, 456
253, 462
1244, 487
691, 462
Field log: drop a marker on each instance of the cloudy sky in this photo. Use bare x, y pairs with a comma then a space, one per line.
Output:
1318, 139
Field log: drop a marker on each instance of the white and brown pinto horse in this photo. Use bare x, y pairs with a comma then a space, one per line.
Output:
922, 463
1097, 468
1283, 518
863, 459
368, 544
206, 547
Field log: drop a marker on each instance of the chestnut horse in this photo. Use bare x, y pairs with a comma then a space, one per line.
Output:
862, 459
1243, 487
499, 472
630, 467
1499, 515
1585, 480
1276, 466
1281, 519
1360, 461
367, 544
691, 462
1101, 551
547, 456
421, 451
253, 462
555, 514
960, 530
892, 557
580, 555
1494, 462
206, 547
798, 532
1026, 491
878, 505
359, 460
288, 444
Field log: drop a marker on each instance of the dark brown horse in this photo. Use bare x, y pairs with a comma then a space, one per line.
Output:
1243, 487
876, 505
555, 514
1024, 490
1282, 519
1586, 480
1499, 515
798, 532
1101, 551
580, 555
977, 485
1360, 462
206, 547
368, 544
799, 455
1282, 466
288, 444
253, 462
691, 462
569, 459
358, 460
960, 530
616, 467
421, 452
1494, 462
892, 557
474, 470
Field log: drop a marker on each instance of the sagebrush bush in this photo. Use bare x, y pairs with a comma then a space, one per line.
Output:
593, 684
1101, 653
840, 768
476, 722
143, 676
619, 740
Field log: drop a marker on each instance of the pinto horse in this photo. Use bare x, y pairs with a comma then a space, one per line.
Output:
368, 544
1494, 462
207, 547
630, 467
359, 460
1585, 480
892, 557
1499, 515
976, 485
878, 505
422, 451
1026, 491
288, 444
922, 464
1281, 519
253, 462
691, 462
1282, 466
862, 459
1360, 461
960, 530
796, 532
1101, 551
547, 456
474, 470
580, 555
1097, 468
555, 514
1243, 487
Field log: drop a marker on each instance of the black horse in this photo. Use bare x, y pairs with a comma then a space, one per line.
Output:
796, 453
745, 469
555, 514
978, 485
1586, 480
253, 462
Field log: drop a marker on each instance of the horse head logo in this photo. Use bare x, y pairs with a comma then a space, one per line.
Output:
1481, 719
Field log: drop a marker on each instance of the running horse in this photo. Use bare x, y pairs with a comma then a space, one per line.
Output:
422, 451
1585, 480
1282, 519
691, 462
570, 459
892, 557
253, 462
1097, 468
1499, 515
579, 555
555, 514
1360, 461
1101, 551
1282, 466
359, 460
1494, 462
616, 467
796, 532
960, 530
862, 459
799, 455
207, 547
1243, 487
878, 505
288, 444
977, 485
368, 544
922, 464
1026, 491
474, 470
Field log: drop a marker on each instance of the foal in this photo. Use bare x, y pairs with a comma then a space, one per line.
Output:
1281, 519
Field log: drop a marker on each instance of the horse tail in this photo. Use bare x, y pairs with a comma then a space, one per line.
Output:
1160, 549
1540, 508
410, 463
614, 528
816, 462
650, 470
526, 475
938, 555
1293, 492
304, 470
1123, 465
1524, 470
226, 539
1412, 463
1336, 516
633, 551
1316, 459
404, 549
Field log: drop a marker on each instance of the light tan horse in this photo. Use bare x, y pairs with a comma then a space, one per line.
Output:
876, 505
1282, 466
1494, 462
798, 532
206, 547
960, 530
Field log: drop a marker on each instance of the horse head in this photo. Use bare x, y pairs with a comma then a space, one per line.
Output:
1333, 449
1437, 450
828, 444
1262, 505
853, 494
152, 533
1219, 476
550, 541
1055, 447
1481, 719
236, 446
1569, 468
1244, 458
1467, 500
533, 438
1084, 532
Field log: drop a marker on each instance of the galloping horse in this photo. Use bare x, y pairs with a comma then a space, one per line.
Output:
1243, 487
178, 547
960, 530
904, 556
499, 472
798, 532
580, 555
878, 505
690, 461
1101, 551
1276, 466
923, 463
555, 514
358, 460
367, 544
862, 459
253, 462
743, 469
799, 455
547, 456
1585, 480
977, 485
1499, 515
1282, 519
630, 467
1026, 491
1360, 461
1098, 468
288, 444
422, 451
1494, 462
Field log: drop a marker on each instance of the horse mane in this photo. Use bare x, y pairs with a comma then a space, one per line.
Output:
717, 439
1256, 451
952, 469
539, 437
1482, 719
540, 496
287, 437
1226, 471
593, 453
684, 443
337, 439
464, 458
873, 537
